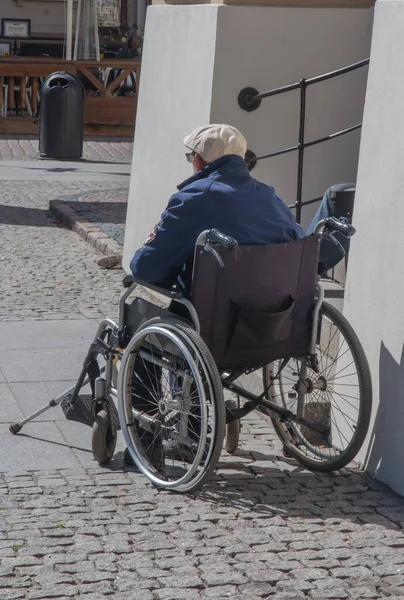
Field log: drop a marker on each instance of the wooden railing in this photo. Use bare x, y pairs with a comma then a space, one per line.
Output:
21, 80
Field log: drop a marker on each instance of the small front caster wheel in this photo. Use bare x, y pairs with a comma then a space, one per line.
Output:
103, 438
232, 430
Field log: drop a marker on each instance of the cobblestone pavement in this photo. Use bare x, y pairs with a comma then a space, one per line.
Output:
104, 210
47, 270
94, 149
250, 534
262, 528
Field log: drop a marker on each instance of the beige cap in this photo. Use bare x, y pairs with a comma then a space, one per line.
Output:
214, 141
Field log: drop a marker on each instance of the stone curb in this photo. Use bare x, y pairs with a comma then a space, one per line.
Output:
89, 232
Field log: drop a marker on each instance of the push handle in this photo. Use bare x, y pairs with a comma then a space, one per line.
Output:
346, 229
332, 224
216, 237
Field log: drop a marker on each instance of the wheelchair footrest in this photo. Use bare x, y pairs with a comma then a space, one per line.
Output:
79, 411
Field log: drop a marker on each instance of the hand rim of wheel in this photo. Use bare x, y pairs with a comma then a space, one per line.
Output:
128, 354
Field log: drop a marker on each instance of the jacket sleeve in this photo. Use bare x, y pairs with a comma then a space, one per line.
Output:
297, 232
170, 244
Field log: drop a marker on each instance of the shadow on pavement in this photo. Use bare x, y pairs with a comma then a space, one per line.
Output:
348, 496
52, 442
19, 215
42, 167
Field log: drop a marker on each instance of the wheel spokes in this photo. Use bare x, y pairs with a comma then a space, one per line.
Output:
325, 401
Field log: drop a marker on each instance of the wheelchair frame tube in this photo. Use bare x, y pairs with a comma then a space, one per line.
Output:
316, 312
93, 351
257, 401
319, 230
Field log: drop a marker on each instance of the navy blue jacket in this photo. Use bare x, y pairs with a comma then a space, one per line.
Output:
223, 196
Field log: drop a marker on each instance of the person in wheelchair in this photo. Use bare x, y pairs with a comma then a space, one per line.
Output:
221, 194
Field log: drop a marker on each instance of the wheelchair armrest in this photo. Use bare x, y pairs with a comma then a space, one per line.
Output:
128, 280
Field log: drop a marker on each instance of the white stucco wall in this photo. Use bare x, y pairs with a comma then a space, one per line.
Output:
175, 97
197, 59
46, 17
266, 48
375, 286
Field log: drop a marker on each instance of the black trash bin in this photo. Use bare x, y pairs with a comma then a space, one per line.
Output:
61, 117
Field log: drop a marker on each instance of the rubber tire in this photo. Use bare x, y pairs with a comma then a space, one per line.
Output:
14, 428
217, 388
365, 408
232, 431
103, 437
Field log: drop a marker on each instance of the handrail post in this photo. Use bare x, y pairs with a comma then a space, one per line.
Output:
302, 124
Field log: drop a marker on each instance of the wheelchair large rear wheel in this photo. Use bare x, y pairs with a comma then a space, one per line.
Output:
337, 399
171, 405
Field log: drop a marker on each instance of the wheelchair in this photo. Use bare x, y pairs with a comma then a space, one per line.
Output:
257, 325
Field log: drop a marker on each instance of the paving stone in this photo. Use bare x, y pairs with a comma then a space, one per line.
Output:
135, 595
222, 591
267, 575
294, 585
336, 594
307, 545
225, 578
46, 579
128, 582
58, 591
261, 590
288, 596
136, 560
182, 582
352, 573
64, 559
309, 574
206, 550
20, 561
14, 582
78, 567
95, 576
175, 562
11, 595
396, 581
107, 587
176, 594
39, 551
388, 569
367, 592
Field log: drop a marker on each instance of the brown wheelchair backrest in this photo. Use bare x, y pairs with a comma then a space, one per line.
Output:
258, 307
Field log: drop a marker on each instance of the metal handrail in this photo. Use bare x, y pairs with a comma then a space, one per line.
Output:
313, 80
249, 99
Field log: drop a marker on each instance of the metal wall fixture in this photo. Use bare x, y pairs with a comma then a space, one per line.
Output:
249, 99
